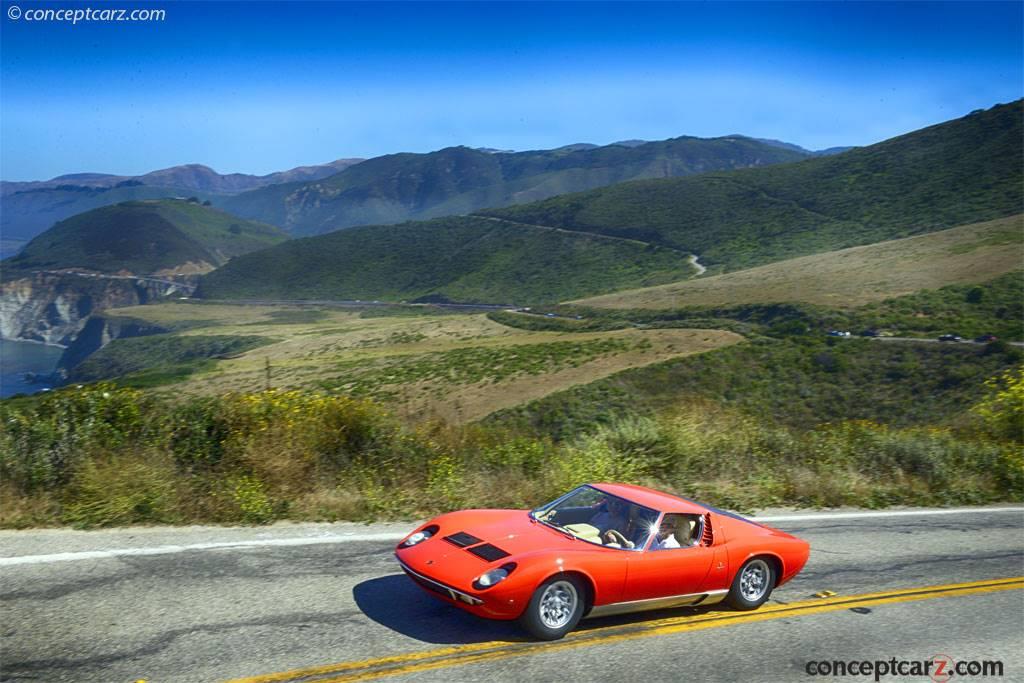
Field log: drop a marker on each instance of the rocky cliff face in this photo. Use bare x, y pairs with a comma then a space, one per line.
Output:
99, 331
53, 307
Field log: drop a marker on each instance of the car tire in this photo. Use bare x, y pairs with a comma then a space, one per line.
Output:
556, 607
752, 585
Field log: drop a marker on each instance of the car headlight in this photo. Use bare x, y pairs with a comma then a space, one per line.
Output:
419, 536
494, 576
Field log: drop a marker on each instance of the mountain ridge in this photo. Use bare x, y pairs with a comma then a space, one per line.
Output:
198, 171
29, 208
458, 180
963, 171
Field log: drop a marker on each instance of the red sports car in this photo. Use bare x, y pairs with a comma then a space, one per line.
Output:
599, 549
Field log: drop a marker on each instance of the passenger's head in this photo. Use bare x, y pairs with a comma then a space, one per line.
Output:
668, 526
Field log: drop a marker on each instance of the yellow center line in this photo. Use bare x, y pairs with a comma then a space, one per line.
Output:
460, 655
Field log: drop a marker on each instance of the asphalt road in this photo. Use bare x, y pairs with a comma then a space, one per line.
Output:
327, 602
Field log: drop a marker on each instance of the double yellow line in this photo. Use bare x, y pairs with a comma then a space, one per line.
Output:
370, 669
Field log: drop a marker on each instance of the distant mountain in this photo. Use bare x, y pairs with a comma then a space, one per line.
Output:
575, 147
205, 179
143, 238
459, 180
832, 150
955, 173
963, 171
28, 208
798, 148
187, 177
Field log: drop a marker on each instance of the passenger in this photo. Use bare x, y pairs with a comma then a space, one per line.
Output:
665, 539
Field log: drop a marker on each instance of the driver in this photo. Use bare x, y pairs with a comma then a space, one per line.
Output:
613, 516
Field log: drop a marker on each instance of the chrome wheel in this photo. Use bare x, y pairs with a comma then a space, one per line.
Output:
558, 604
754, 580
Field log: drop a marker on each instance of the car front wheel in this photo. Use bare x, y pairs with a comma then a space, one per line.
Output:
555, 608
753, 584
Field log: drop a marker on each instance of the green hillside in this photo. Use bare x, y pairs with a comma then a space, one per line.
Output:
28, 213
142, 237
955, 173
458, 180
460, 259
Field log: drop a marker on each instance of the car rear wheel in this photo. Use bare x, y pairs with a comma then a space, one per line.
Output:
555, 608
753, 584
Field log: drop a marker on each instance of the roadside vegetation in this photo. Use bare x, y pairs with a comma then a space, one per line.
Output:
102, 455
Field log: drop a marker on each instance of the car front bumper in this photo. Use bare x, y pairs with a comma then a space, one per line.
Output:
493, 604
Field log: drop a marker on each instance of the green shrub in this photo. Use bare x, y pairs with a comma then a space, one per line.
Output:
42, 447
250, 498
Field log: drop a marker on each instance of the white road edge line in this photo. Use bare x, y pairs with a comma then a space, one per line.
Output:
172, 549
890, 513
369, 538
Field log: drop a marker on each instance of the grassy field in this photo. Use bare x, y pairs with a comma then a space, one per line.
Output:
851, 277
456, 367
801, 382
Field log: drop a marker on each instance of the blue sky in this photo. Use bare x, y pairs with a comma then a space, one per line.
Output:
257, 87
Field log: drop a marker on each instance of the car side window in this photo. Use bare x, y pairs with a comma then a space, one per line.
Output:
678, 531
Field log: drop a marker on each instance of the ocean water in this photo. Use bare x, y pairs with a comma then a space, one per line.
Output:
17, 358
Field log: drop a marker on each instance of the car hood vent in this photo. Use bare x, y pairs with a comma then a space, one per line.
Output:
488, 552
462, 539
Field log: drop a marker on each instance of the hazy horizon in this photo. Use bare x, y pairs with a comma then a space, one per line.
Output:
259, 88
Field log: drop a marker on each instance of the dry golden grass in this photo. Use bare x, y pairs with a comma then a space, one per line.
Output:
851, 277
305, 354
24, 511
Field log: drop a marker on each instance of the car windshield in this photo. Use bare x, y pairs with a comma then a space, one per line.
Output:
598, 517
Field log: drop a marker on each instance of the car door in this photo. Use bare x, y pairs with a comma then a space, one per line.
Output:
653, 574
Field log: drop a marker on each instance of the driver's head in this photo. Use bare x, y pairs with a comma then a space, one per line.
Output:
616, 506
